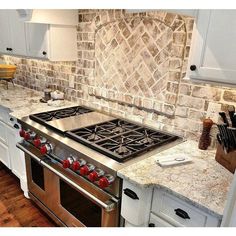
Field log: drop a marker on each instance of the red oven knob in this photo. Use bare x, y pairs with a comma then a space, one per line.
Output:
29, 135
22, 133
75, 165
86, 169
66, 163
94, 176
105, 181
26, 136
37, 142
46, 149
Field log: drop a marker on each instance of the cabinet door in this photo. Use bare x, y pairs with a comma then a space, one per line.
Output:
17, 28
37, 38
5, 35
16, 156
213, 50
4, 155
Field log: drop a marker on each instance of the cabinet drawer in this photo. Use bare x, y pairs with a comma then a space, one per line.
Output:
4, 155
3, 133
180, 213
156, 221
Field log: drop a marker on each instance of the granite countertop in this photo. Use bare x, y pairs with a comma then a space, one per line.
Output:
203, 182
23, 101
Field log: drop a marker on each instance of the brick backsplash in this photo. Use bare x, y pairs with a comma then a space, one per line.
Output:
131, 65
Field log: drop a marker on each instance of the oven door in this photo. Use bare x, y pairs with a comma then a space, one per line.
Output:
73, 200
79, 203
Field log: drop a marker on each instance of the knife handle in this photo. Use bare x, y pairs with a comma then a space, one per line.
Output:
224, 118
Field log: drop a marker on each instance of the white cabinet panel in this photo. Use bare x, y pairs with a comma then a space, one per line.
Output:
16, 156
12, 37
3, 133
17, 28
179, 212
213, 49
5, 35
4, 154
156, 221
37, 40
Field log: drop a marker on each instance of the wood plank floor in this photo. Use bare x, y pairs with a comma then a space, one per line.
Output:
15, 209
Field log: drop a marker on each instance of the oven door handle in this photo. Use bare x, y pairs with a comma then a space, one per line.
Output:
108, 205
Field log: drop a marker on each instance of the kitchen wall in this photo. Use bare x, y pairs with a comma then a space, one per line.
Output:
132, 65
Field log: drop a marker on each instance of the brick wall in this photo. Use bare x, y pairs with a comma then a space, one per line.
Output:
131, 65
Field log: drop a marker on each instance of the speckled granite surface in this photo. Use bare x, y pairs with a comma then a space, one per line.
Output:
24, 101
203, 182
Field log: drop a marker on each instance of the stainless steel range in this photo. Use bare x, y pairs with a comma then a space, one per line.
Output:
72, 158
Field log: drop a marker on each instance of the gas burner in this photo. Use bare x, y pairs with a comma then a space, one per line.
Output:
119, 139
59, 114
122, 149
147, 139
94, 136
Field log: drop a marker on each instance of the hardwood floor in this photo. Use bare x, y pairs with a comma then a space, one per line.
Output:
15, 209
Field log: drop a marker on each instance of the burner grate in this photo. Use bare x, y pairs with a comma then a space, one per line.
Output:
119, 139
59, 114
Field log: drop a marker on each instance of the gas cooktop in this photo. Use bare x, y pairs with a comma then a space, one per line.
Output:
116, 138
119, 139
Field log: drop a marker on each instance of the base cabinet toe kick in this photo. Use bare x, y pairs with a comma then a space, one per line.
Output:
153, 207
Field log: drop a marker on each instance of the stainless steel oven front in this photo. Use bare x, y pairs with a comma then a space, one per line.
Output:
69, 199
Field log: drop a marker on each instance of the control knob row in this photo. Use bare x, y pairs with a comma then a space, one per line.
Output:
87, 169
39, 142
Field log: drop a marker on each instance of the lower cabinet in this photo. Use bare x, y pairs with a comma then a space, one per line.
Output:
4, 155
177, 212
153, 207
10, 155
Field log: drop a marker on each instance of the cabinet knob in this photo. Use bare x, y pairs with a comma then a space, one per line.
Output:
44, 53
151, 225
193, 67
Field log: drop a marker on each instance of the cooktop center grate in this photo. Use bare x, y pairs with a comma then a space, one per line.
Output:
119, 139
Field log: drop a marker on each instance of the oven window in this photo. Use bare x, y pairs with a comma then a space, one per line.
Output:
37, 173
79, 206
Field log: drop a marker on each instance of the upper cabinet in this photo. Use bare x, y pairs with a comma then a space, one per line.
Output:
54, 42
12, 37
213, 49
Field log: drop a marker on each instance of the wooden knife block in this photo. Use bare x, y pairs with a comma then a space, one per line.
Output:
227, 160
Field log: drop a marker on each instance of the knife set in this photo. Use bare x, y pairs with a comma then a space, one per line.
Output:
226, 148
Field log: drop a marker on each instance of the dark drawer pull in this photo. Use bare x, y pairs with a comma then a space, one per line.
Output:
151, 225
130, 194
16, 126
181, 213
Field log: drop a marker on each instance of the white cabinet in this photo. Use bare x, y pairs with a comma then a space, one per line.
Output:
12, 37
177, 212
10, 155
136, 204
37, 40
45, 41
52, 42
153, 207
213, 49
